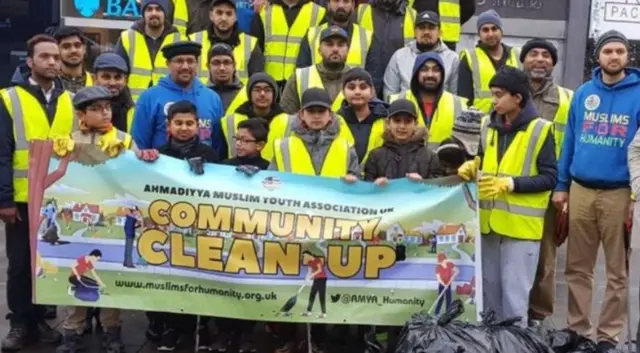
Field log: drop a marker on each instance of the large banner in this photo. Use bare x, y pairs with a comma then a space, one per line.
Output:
272, 247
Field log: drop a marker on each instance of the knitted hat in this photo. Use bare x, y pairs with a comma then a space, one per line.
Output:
466, 129
357, 74
512, 80
540, 43
265, 78
489, 17
164, 4
608, 37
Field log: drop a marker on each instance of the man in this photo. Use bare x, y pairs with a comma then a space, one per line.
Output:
35, 107
131, 223
594, 181
224, 29
262, 91
223, 79
111, 72
551, 101
327, 74
478, 66
139, 45
517, 173
397, 77
438, 109
280, 29
340, 13
454, 13
150, 119
391, 22
73, 48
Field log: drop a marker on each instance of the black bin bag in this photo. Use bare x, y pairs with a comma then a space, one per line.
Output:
424, 333
508, 337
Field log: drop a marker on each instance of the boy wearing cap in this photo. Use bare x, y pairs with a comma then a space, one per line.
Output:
599, 161
398, 75
517, 164
223, 29
73, 49
328, 74
223, 79
402, 154
477, 66
110, 71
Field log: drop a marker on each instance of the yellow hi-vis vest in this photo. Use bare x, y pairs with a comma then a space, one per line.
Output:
482, 72
309, 77
365, 19
560, 119
281, 43
375, 140
241, 55
229, 125
88, 82
180, 15
449, 11
143, 71
358, 47
519, 216
130, 114
292, 157
30, 123
448, 110
237, 101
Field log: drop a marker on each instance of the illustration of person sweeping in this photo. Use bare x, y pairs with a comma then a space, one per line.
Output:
446, 271
81, 286
318, 275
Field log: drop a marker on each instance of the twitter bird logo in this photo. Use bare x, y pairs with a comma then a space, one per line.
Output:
335, 298
86, 8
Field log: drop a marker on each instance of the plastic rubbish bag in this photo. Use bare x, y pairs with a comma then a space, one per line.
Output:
568, 341
444, 347
371, 344
508, 337
423, 332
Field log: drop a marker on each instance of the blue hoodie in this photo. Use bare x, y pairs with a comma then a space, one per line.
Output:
415, 85
602, 122
150, 120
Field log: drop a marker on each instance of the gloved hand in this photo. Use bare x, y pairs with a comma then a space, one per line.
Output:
196, 165
490, 186
248, 170
469, 169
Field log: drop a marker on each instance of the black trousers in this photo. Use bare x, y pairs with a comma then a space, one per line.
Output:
319, 286
19, 272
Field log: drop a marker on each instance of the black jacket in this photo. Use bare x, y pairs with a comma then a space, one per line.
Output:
256, 161
7, 140
120, 107
546, 162
465, 76
361, 130
189, 150
394, 160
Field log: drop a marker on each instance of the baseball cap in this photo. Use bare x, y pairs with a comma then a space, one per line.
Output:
333, 32
91, 94
316, 97
428, 17
218, 2
402, 106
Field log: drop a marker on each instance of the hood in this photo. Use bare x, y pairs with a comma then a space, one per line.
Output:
246, 108
316, 137
631, 79
232, 86
266, 78
520, 123
378, 111
420, 60
23, 72
416, 141
168, 83
168, 27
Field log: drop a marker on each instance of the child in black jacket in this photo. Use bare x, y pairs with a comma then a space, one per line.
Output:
250, 140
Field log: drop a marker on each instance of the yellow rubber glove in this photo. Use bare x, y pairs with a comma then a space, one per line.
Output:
469, 169
491, 186
63, 146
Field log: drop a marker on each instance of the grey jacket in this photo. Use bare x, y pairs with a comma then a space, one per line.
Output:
318, 143
397, 77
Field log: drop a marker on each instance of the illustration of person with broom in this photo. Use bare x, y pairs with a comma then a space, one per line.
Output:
446, 271
318, 275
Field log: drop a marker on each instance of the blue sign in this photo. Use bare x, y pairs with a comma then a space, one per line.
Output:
86, 8
113, 8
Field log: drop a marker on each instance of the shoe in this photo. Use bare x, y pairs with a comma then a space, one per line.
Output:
169, 341
154, 331
71, 343
46, 334
247, 344
50, 312
15, 339
222, 342
111, 342
605, 347
286, 347
204, 339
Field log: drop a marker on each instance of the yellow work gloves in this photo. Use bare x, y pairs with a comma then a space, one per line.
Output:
469, 169
491, 186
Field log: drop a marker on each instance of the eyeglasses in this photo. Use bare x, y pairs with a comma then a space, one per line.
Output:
243, 141
262, 89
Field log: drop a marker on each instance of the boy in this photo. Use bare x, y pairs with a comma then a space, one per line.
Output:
463, 144
403, 153
250, 139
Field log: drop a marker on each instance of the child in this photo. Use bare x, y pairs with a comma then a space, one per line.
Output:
250, 139
403, 153
183, 143
463, 145
93, 109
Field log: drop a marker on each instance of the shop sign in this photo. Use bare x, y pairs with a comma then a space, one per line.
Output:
114, 9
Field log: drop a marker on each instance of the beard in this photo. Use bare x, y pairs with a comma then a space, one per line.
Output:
429, 87
340, 16
425, 47
71, 64
334, 65
612, 72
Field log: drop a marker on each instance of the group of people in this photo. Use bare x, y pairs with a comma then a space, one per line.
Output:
366, 94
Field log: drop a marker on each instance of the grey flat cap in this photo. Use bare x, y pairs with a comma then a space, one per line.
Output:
112, 61
91, 94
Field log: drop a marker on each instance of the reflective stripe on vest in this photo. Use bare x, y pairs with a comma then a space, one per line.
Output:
180, 15
374, 141
241, 55
20, 104
519, 216
279, 127
365, 19
309, 77
449, 11
482, 71
560, 118
292, 157
144, 71
282, 44
237, 101
440, 127
359, 45
130, 114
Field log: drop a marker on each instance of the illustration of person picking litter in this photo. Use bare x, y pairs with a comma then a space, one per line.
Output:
446, 271
83, 287
318, 274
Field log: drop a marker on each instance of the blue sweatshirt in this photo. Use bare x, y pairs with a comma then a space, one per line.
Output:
150, 120
602, 122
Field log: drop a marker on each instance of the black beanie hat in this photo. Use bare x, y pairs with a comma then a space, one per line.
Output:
608, 37
357, 74
540, 43
512, 80
265, 78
